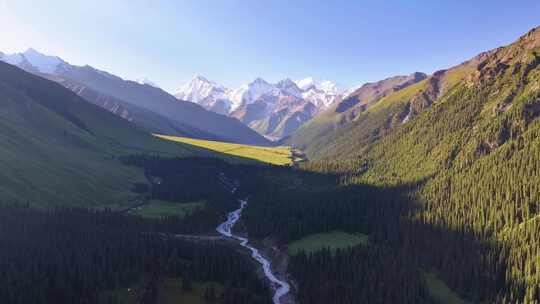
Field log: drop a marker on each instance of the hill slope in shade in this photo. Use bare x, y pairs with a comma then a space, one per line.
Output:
58, 149
148, 120
160, 102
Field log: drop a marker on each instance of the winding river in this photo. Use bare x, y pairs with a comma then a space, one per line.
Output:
280, 287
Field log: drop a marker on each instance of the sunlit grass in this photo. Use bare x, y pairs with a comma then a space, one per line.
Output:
271, 155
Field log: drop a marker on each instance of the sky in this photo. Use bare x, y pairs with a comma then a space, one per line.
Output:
232, 42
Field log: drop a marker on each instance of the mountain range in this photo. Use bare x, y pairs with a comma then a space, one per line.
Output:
464, 144
59, 149
440, 173
273, 110
145, 104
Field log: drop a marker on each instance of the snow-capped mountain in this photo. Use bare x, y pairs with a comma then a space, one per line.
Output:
288, 87
306, 83
151, 108
248, 93
37, 62
146, 81
200, 88
322, 94
277, 110
207, 93
274, 110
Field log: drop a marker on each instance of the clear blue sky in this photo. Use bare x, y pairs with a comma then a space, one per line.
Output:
232, 42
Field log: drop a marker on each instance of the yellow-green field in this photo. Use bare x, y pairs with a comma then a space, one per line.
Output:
271, 155
332, 240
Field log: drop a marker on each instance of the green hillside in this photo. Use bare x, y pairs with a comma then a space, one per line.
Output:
381, 118
340, 115
58, 149
470, 146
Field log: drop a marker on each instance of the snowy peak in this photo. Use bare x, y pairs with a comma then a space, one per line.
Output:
330, 88
146, 81
289, 87
327, 86
13, 59
321, 94
208, 94
259, 82
31, 58
306, 83
248, 93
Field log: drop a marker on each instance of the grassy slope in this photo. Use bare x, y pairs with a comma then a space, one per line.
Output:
332, 240
274, 155
354, 139
158, 209
476, 150
60, 150
361, 130
337, 117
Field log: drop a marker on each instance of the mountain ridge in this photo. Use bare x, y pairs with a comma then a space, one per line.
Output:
62, 150
273, 110
149, 98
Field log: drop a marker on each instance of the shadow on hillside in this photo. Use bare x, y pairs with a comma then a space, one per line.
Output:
473, 266
287, 203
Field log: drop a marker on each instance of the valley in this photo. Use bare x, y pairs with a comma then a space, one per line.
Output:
397, 187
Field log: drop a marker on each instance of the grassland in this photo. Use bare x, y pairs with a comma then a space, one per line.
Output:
158, 209
332, 240
59, 150
170, 293
270, 155
440, 291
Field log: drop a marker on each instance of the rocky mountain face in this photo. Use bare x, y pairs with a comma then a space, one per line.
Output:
368, 93
140, 95
273, 110
343, 112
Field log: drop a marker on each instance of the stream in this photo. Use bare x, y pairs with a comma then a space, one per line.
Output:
280, 287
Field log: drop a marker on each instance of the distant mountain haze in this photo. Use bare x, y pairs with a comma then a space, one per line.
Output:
143, 96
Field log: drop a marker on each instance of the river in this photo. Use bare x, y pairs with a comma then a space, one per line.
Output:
280, 287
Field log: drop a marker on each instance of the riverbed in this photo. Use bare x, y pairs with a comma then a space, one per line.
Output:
280, 288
